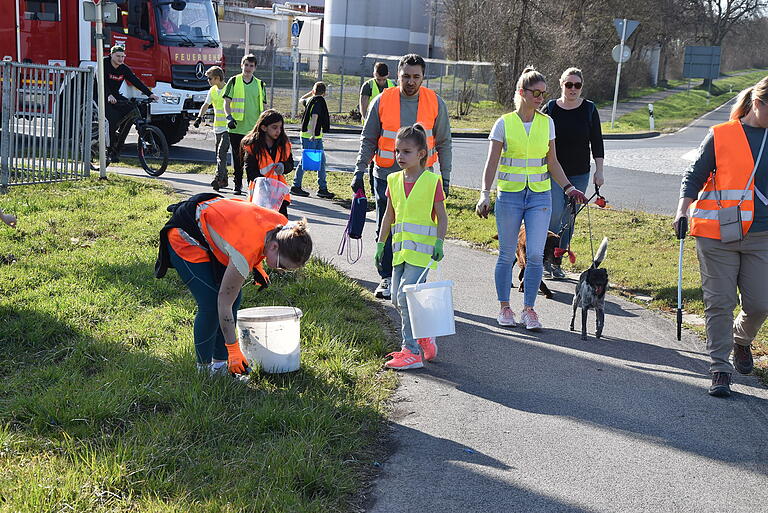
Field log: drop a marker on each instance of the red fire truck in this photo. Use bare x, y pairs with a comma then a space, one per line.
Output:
169, 45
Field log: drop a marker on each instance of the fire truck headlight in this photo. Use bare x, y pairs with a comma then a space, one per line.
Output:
173, 99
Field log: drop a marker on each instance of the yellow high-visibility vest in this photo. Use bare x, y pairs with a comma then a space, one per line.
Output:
238, 97
375, 91
524, 161
217, 101
414, 233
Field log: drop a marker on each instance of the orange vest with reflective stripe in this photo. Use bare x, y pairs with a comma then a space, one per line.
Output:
241, 224
389, 115
266, 162
733, 167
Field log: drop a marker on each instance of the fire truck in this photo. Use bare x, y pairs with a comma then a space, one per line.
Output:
169, 45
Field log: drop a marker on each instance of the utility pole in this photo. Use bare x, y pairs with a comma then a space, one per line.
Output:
100, 84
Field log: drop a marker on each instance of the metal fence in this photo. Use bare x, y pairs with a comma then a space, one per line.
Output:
457, 82
46, 123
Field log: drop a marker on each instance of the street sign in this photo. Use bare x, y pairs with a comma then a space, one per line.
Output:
109, 10
296, 28
701, 62
618, 55
631, 26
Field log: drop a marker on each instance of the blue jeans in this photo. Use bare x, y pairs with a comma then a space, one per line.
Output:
511, 209
561, 216
209, 339
380, 191
405, 274
311, 144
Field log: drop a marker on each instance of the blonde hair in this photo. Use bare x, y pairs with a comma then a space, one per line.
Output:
571, 71
743, 104
528, 77
293, 241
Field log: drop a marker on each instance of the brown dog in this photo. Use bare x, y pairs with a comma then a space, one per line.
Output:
553, 241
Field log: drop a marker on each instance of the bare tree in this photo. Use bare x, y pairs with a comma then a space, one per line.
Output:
716, 18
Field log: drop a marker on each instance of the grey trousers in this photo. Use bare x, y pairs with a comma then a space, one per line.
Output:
222, 147
724, 268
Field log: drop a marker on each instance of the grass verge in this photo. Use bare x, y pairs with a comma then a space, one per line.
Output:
679, 109
101, 409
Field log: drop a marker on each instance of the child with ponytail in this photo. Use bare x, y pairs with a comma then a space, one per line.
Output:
418, 221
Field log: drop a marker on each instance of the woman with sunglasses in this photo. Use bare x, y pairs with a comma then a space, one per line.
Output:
522, 148
214, 243
578, 130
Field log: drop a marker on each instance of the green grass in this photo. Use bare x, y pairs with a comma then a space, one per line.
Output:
101, 409
680, 109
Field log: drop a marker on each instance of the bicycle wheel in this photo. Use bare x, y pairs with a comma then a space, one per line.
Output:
153, 150
94, 159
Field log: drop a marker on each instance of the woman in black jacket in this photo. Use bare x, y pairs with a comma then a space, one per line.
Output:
577, 131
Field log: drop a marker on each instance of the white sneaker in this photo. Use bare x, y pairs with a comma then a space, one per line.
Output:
506, 317
531, 320
382, 291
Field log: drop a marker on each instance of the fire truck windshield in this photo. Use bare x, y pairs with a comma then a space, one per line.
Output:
188, 23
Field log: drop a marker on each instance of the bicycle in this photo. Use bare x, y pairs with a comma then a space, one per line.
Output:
151, 147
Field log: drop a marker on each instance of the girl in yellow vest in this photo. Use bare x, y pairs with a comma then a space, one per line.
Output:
215, 99
523, 149
418, 221
730, 173
267, 152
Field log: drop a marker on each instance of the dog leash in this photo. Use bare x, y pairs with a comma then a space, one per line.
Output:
575, 211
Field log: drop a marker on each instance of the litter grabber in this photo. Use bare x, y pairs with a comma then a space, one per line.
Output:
355, 225
681, 228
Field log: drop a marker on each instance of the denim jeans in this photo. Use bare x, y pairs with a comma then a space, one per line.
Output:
209, 339
560, 217
405, 274
311, 144
511, 209
380, 190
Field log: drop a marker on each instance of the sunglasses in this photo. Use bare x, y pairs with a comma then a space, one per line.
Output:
536, 93
571, 85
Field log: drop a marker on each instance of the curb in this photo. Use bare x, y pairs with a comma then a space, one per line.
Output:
342, 129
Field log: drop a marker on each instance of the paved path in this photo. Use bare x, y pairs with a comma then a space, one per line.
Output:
508, 421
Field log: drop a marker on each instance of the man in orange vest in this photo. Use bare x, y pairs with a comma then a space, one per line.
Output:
393, 109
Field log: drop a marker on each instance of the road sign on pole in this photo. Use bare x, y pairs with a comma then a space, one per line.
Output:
99, 36
624, 27
295, 31
617, 54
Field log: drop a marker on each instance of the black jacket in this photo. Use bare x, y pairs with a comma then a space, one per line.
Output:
316, 105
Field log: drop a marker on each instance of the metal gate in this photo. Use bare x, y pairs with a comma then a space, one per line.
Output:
46, 123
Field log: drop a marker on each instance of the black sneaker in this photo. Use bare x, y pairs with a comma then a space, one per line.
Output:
114, 156
238, 191
215, 184
325, 193
742, 359
557, 273
721, 384
298, 191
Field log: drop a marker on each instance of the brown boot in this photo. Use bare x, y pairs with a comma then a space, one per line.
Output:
742, 359
721, 384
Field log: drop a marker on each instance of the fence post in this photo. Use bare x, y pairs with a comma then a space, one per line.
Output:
5, 141
272, 81
341, 90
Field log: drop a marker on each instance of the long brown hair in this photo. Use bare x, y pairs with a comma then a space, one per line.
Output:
257, 138
743, 103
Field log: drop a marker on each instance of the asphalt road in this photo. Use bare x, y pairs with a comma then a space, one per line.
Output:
510, 421
641, 174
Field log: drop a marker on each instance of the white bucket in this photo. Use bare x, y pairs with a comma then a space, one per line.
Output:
269, 336
430, 308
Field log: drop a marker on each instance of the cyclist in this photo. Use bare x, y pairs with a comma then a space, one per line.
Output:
115, 73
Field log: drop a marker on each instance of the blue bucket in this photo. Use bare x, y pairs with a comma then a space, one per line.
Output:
311, 159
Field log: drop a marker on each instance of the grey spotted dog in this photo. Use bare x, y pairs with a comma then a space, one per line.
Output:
590, 292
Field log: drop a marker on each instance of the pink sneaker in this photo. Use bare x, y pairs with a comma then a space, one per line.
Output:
506, 317
428, 348
402, 360
531, 320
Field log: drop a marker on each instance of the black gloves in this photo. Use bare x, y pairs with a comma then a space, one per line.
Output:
196, 124
357, 182
446, 187
231, 123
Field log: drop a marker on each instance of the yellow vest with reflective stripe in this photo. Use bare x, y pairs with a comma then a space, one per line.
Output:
238, 97
217, 101
524, 161
414, 233
375, 91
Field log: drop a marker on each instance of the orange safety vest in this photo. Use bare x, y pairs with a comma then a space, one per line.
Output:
243, 226
389, 115
266, 162
733, 167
